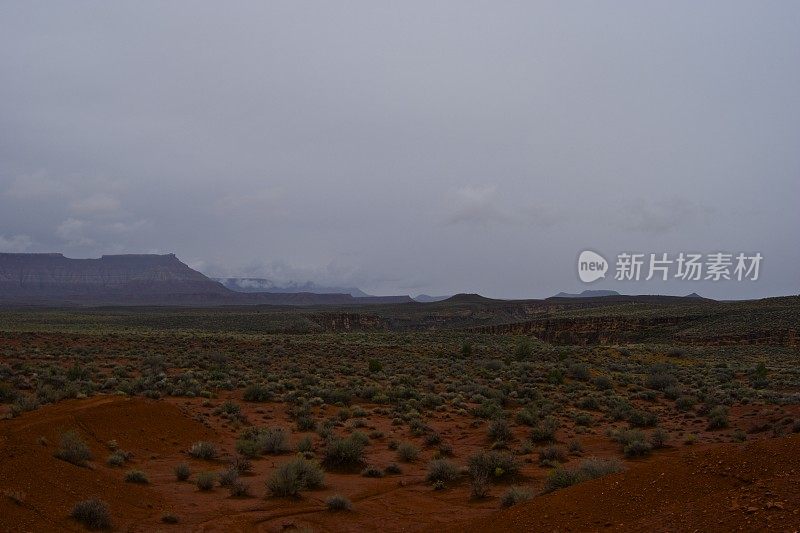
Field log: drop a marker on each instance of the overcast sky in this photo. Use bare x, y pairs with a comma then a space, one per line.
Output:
405, 147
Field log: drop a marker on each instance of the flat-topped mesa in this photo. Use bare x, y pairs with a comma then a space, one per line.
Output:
52, 274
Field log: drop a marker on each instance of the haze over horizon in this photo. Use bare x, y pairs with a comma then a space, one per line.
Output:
405, 149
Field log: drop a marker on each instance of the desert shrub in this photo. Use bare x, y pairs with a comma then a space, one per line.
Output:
257, 393
591, 468
296, 475
344, 452
642, 419
239, 488
372, 471
169, 518
273, 440
248, 447
136, 476
527, 416
441, 470
579, 371
637, 448
479, 485
584, 419
73, 449
499, 430
658, 438
7, 393
718, 417
241, 464
560, 478
227, 478
659, 379
305, 445
551, 455
432, 439
338, 502
524, 350
116, 459
626, 436
545, 430
555, 376
493, 464
407, 452
93, 514
466, 349
360, 437
393, 468
205, 481
203, 450
575, 447
684, 403
514, 495
603, 383
182, 472
375, 365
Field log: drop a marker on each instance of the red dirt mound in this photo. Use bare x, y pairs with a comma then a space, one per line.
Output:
751, 486
46, 488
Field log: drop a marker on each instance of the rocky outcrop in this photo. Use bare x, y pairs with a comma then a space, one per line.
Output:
53, 276
146, 279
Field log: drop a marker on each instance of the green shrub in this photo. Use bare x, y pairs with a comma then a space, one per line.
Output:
345, 452
372, 471
441, 470
375, 365
93, 514
136, 476
182, 472
116, 459
718, 417
545, 430
73, 449
257, 393
493, 464
203, 450
248, 447
407, 452
591, 468
514, 495
499, 430
338, 502
393, 468
228, 477
239, 488
638, 448
169, 518
296, 475
205, 481
273, 440
551, 455
305, 445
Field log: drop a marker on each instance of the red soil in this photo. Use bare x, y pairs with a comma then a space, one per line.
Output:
724, 487
706, 487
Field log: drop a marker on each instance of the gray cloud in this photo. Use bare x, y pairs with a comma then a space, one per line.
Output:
476, 148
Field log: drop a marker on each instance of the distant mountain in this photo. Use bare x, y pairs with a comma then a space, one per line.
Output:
266, 285
424, 298
465, 298
694, 295
146, 279
586, 294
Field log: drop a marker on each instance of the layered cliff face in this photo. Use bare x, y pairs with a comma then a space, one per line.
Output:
53, 276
